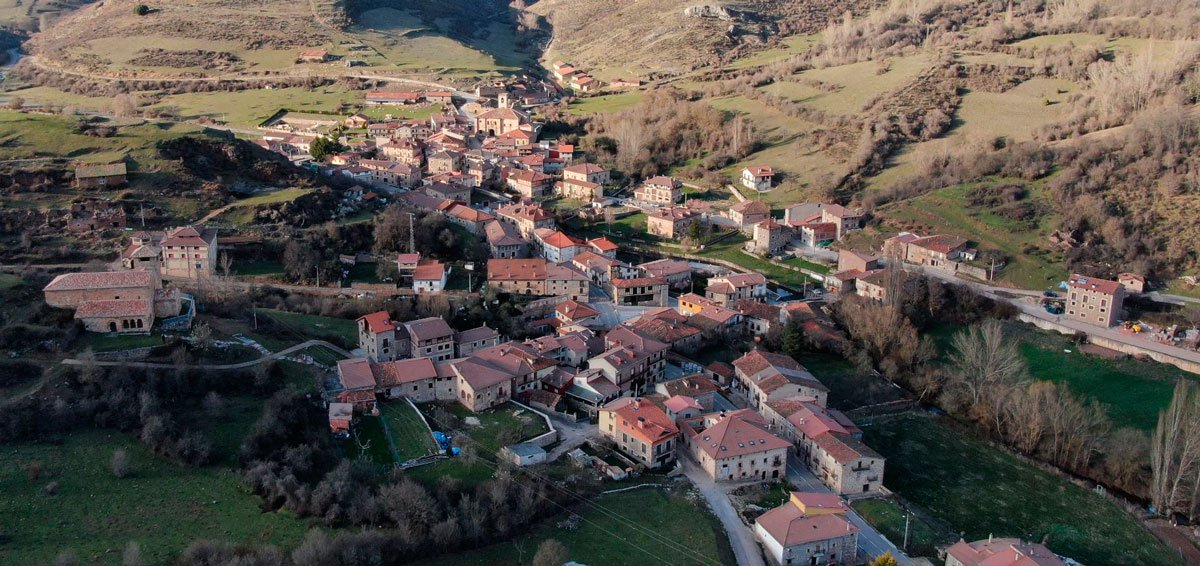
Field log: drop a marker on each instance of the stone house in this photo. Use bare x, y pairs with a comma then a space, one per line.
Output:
1094, 301
727, 290
736, 446
659, 190
671, 222
809, 529
430, 338
640, 430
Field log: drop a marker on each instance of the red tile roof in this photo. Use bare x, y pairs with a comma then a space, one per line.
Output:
641, 419
392, 374
737, 434
356, 374
1103, 286
428, 328
113, 309
100, 280
574, 310
429, 270
790, 526
189, 236
379, 322
760, 170
603, 244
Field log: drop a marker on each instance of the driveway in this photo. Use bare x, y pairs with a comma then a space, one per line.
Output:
571, 435
870, 541
741, 538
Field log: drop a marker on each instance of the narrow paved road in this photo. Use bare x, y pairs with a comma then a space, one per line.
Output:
1033, 309
240, 365
741, 538
870, 541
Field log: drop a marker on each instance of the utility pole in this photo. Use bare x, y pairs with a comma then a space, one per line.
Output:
907, 516
142, 213
318, 270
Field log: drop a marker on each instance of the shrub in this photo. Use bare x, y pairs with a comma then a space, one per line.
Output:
141, 9
119, 463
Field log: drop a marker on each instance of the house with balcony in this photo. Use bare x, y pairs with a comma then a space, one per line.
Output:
735, 446
640, 429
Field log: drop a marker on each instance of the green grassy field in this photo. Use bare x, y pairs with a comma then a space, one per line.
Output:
1132, 391
411, 438
367, 440
162, 506
505, 422
605, 103
615, 530
889, 517
406, 43
849, 386
309, 326
946, 211
111, 343
791, 46
859, 83
981, 491
730, 250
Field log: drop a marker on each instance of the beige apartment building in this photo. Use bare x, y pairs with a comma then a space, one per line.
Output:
1094, 301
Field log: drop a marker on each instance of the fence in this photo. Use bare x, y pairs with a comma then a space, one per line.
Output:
545, 439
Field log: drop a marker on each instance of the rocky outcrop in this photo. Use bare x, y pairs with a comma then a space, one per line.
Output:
716, 11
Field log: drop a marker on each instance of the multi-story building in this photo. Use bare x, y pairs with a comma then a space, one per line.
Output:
558, 246
727, 290
187, 252
748, 213
529, 183
381, 338
1001, 552
631, 361
1094, 301
757, 177
640, 430
430, 338
659, 190
678, 273
470, 341
769, 237
639, 292
845, 219
538, 277
764, 376
736, 446
578, 189
504, 240
671, 222
429, 277
810, 529
589, 172
527, 217
500, 120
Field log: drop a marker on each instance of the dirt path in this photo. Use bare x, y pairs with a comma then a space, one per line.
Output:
1178, 542
242, 365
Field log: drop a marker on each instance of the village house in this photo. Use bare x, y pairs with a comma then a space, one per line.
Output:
473, 220
562, 70
391, 173
527, 367
671, 222
809, 529
430, 277
631, 361
575, 313
569, 350
529, 183
640, 430
581, 82
699, 387
448, 191
769, 237
340, 417
659, 190
1094, 301
588, 391
727, 290
504, 241
1001, 552
682, 407
604, 247
851, 260
578, 189
537, 277
601, 269
444, 162
669, 327
313, 56
869, 285
639, 292
758, 177
692, 303
406, 268
470, 341
407, 152
381, 338
827, 442
589, 172
100, 175
748, 213
186, 252
527, 217
735, 446
124, 302
440, 96
481, 387
764, 376
758, 317
558, 246
357, 121
430, 338
845, 219
678, 273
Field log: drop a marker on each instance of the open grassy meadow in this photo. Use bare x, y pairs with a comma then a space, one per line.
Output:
303, 327
889, 518
790, 47
409, 435
980, 491
621, 528
605, 103
160, 505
